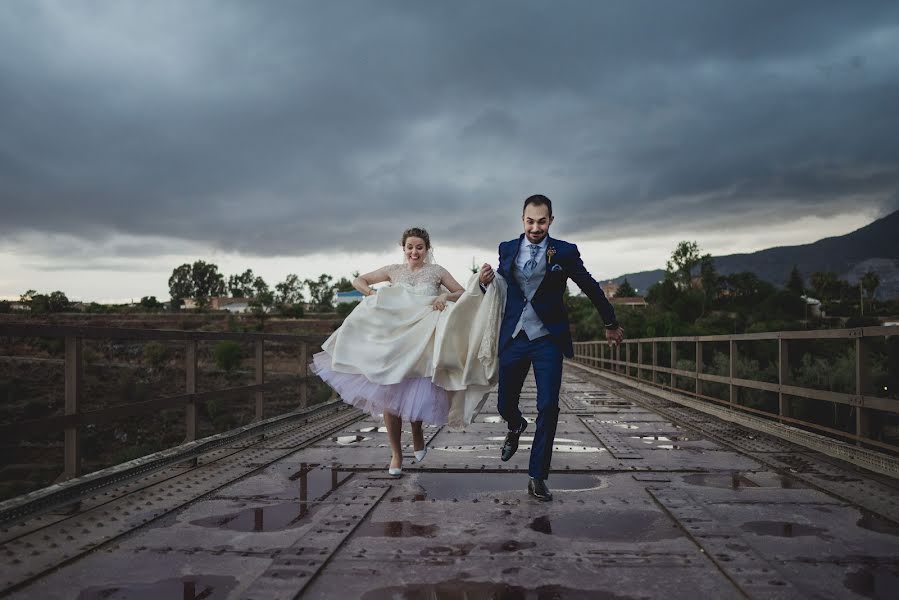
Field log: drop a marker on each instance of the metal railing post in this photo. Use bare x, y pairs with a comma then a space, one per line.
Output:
616, 352
72, 460
639, 361
627, 359
862, 417
783, 377
733, 367
672, 376
260, 378
698, 382
190, 387
655, 362
304, 373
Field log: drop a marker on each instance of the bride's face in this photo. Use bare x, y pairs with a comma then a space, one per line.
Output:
415, 250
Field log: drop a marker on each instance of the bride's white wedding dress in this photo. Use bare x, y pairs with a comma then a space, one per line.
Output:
395, 353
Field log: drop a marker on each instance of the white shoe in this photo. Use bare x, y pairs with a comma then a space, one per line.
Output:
395, 471
420, 454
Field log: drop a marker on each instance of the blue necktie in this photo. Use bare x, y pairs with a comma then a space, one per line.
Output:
532, 263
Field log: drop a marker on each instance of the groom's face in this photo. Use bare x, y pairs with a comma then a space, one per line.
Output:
536, 219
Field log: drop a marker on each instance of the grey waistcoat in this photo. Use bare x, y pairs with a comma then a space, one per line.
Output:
529, 321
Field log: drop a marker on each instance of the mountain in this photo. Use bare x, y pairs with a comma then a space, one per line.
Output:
874, 247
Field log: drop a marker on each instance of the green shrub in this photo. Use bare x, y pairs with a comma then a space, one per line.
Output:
213, 408
35, 410
346, 308
134, 391
227, 355
131, 453
294, 311
156, 354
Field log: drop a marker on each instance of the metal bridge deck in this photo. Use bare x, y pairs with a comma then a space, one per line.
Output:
653, 500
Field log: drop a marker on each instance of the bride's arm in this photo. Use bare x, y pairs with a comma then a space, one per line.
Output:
452, 285
363, 283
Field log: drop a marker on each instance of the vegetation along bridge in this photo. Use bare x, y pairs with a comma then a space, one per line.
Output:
759, 466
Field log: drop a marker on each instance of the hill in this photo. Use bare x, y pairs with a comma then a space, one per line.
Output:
874, 247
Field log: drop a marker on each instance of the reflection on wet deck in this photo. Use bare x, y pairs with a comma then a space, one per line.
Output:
645, 506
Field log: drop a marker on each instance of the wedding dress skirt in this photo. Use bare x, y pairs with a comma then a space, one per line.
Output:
395, 353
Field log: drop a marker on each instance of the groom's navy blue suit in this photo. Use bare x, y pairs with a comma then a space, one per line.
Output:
517, 352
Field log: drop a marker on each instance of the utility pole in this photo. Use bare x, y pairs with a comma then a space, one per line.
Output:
861, 297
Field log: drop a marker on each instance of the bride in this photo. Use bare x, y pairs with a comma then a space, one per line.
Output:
421, 350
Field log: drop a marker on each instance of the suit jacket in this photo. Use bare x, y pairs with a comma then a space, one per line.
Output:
563, 263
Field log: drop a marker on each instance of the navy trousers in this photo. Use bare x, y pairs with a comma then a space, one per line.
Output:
515, 361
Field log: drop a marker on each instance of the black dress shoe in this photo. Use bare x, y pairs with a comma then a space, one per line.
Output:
537, 488
510, 445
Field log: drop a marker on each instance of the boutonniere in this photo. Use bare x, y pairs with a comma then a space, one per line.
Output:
550, 252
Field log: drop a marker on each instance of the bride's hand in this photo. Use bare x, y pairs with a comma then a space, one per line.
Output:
439, 302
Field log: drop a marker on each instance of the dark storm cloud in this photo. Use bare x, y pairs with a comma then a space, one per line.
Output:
283, 128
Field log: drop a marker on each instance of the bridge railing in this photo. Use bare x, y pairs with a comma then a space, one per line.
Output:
858, 415
75, 419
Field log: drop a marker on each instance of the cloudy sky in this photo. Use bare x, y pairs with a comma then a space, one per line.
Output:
303, 137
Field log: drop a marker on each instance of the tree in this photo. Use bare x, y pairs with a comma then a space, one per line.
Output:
259, 287
181, 283
262, 302
662, 294
150, 303
40, 304
57, 302
344, 285
795, 285
241, 286
27, 296
625, 290
321, 292
289, 291
711, 282
207, 280
683, 259
746, 287
823, 283
870, 282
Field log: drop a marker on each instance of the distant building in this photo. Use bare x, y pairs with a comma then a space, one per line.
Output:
346, 297
19, 306
232, 305
609, 288
813, 306
635, 301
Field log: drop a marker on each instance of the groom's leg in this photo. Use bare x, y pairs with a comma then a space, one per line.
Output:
514, 364
547, 361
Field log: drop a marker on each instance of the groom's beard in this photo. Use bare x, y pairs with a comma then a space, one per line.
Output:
536, 238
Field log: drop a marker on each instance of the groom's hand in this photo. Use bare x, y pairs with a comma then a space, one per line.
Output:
615, 336
486, 275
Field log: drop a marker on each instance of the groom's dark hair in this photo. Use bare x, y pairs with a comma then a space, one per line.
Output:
538, 200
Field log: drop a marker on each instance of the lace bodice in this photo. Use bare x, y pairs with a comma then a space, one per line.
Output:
425, 281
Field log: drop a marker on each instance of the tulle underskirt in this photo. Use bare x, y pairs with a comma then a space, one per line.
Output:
414, 399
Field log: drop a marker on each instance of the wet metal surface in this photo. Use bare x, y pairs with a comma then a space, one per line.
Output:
650, 502
189, 587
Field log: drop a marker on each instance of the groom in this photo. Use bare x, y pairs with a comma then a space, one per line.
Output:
535, 330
